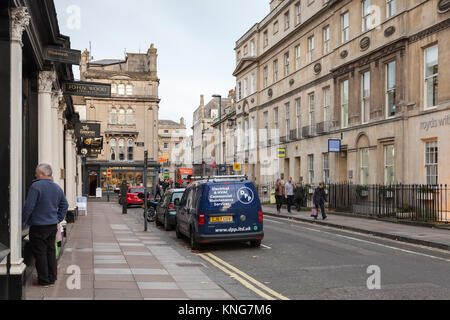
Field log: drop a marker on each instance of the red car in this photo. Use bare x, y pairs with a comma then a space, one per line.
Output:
132, 196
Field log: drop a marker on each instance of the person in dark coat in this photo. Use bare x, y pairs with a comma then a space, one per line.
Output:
46, 207
158, 191
279, 195
319, 200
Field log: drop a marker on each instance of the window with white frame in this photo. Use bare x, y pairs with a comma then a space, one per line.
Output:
252, 48
121, 89
311, 48
297, 57
275, 119
122, 116
364, 165
366, 15
288, 119
391, 8
431, 76
122, 150
266, 125
286, 64
431, 162
326, 40
326, 168
253, 83
113, 148
266, 77
391, 86
113, 88
345, 27
326, 107
298, 13
286, 20
130, 150
298, 108
365, 97
389, 165
130, 116
239, 136
344, 104
113, 116
311, 168
312, 112
129, 90
266, 38
275, 71
245, 87
253, 136
246, 135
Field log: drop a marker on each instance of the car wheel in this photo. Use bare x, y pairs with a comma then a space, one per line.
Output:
178, 233
193, 242
255, 243
166, 223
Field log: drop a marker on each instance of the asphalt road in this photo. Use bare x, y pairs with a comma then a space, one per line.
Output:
300, 261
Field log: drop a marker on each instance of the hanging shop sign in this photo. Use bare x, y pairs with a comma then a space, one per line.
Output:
87, 130
87, 89
334, 146
281, 153
62, 55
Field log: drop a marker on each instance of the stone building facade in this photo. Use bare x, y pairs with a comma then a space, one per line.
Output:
368, 73
129, 119
171, 141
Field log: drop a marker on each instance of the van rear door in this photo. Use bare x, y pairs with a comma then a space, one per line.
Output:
231, 208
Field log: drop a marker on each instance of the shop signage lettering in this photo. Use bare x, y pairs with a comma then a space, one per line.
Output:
62, 55
87, 130
87, 89
427, 125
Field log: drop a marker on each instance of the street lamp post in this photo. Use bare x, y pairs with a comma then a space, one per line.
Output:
220, 130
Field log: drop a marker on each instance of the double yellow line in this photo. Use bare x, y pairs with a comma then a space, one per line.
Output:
247, 281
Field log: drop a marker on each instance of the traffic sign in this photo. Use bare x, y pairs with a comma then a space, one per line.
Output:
237, 167
108, 173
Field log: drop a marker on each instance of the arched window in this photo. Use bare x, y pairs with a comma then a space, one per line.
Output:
129, 90
122, 116
121, 89
130, 116
122, 150
113, 147
130, 150
113, 116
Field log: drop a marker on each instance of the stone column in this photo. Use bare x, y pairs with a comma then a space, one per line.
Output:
70, 170
45, 120
19, 21
57, 146
61, 124
79, 175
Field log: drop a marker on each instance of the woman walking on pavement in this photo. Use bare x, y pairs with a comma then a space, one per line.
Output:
319, 201
279, 195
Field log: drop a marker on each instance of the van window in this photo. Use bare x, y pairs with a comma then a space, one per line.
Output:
184, 198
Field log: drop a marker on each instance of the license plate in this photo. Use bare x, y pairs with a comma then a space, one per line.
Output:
221, 219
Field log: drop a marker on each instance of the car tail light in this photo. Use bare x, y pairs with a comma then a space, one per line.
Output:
201, 219
260, 216
171, 207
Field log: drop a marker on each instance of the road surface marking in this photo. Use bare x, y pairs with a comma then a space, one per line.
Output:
256, 282
265, 219
264, 246
374, 243
236, 277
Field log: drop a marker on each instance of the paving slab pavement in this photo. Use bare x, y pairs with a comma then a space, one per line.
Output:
118, 261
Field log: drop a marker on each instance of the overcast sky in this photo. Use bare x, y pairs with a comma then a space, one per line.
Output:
195, 41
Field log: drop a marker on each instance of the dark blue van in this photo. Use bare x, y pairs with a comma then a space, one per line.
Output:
213, 211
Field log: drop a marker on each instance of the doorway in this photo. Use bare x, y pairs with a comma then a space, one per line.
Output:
93, 184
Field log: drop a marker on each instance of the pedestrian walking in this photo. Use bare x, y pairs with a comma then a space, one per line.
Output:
45, 208
319, 200
158, 191
165, 185
279, 195
289, 194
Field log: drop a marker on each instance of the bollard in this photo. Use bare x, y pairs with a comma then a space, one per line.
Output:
124, 197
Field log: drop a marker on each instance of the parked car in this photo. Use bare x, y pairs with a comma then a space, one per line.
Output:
166, 209
220, 211
133, 196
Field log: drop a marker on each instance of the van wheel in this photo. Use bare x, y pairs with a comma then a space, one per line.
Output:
193, 242
178, 233
255, 243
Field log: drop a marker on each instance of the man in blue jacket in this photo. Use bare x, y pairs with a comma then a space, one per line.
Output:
45, 208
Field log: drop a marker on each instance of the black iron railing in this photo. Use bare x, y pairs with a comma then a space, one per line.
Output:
424, 203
